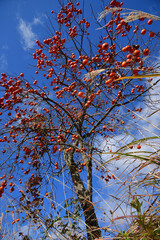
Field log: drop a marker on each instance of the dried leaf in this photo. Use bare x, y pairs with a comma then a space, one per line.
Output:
138, 76
93, 74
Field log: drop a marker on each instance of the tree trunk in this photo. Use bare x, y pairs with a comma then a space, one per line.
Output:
91, 221
85, 196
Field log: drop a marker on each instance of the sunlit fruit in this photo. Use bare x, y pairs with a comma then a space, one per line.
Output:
138, 146
143, 31
124, 64
105, 46
85, 62
80, 94
22, 74
136, 53
109, 81
150, 21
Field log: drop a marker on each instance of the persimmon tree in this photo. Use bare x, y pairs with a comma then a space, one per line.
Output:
81, 91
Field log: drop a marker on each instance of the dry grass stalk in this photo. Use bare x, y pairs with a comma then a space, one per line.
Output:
106, 11
135, 15
129, 16
1, 218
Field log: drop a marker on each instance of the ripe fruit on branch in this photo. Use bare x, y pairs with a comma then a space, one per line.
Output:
138, 146
22, 74
150, 21
109, 81
151, 34
127, 48
124, 64
146, 52
55, 148
85, 62
143, 32
105, 46
136, 53
80, 94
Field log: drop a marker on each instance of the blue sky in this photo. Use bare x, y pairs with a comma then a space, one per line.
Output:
24, 21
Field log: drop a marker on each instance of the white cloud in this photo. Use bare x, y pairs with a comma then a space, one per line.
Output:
3, 63
116, 195
37, 21
28, 36
5, 46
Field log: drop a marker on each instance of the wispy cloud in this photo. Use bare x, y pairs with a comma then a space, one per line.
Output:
132, 173
28, 36
5, 46
3, 63
37, 21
